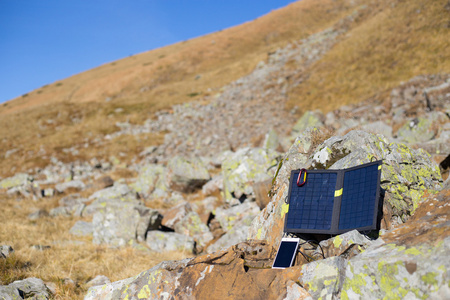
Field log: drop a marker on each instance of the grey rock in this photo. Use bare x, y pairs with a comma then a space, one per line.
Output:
213, 186
6, 251
73, 184
119, 224
82, 228
98, 280
160, 241
309, 119
151, 177
176, 214
9, 293
237, 234
324, 278
416, 131
15, 181
32, 287
378, 127
271, 140
186, 175
117, 191
193, 226
229, 217
245, 167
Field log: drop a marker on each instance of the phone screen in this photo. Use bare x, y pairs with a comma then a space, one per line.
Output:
286, 254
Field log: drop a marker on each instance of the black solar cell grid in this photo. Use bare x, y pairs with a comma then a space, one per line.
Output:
334, 201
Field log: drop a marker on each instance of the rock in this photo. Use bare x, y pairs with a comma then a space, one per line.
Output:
226, 275
323, 278
103, 183
66, 211
309, 119
9, 293
40, 213
186, 175
416, 131
237, 234
16, 181
230, 216
119, 224
151, 178
192, 225
215, 185
82, 228
405, 175
296, 292
73, 185
31, 288
49, 192
261, 190
271, 140
40, 247
244, 168
411, 263
176, 214
6, 251
98, 280
378, 127
351, 243
117, 191
160, 241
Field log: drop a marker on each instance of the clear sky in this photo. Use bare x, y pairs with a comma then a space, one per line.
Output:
42, 41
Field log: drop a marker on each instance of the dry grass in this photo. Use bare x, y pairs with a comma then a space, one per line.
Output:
404, 39
69, 256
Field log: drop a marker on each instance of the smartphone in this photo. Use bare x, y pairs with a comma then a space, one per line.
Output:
286, 253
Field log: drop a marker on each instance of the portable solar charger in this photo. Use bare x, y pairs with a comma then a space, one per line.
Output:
333, 201
286, 253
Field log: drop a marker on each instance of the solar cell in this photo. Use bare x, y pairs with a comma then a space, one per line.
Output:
334, 201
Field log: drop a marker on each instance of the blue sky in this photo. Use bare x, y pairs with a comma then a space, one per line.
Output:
42, 41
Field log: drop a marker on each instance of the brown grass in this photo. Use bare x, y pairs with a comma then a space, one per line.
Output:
404, 39
66, 258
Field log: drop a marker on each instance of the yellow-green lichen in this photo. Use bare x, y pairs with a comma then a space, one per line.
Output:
337, 241
284, 209
413, 251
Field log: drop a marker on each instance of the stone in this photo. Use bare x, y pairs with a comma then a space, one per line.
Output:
9, 293
271, 140
119, 224
186, 175
237, 234
150, 178
215, 185
309, 119
160, 241
228, 217
98, 280
226, 275
6, 251
118, 191
323, 278
31, 288
77, 185
351, 243
244, 168
15, 181
104, 182
82, 228
410, 263
261, 190
193, 226
378, 127
296, 292
176, 214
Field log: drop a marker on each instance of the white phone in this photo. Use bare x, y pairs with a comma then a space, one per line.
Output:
286, 253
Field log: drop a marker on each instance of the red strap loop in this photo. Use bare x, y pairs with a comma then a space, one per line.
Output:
304, 178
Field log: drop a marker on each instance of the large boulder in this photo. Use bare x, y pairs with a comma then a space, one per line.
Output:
31, 288
228, 217
15, 181
121, 222
192, 225
406, 175
244, 168
186, 175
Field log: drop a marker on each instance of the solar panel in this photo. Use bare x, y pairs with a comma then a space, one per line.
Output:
333, 201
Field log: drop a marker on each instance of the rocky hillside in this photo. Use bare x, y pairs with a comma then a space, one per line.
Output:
164, 174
